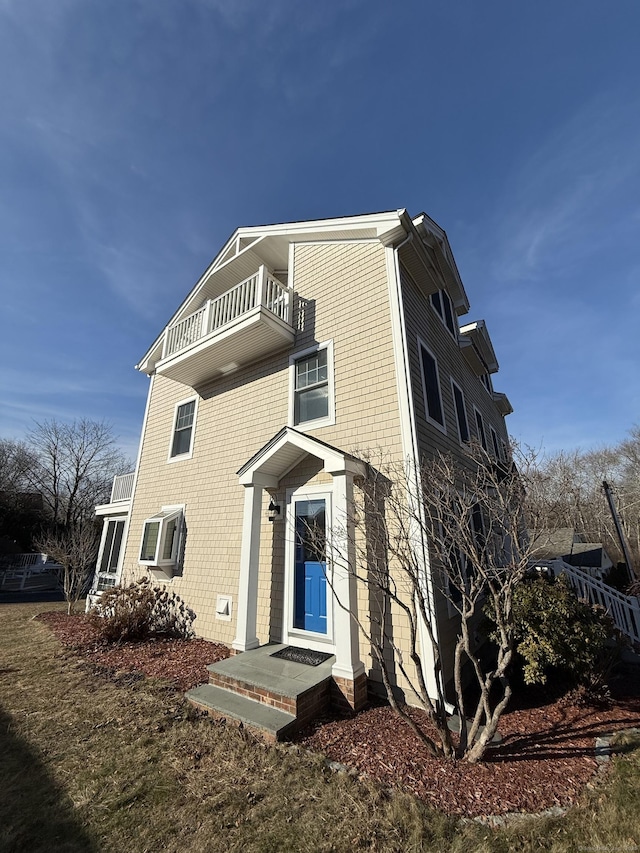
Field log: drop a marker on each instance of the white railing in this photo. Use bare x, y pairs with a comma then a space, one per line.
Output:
28, 571
24, 561
122, 488
259, 290
623, 609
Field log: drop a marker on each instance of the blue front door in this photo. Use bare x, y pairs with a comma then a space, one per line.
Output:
310, 578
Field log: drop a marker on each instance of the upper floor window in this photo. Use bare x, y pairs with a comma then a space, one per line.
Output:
431, 388
461, 412
444, 309
496, 445
312, 386
182, 438
486, 381
482, 435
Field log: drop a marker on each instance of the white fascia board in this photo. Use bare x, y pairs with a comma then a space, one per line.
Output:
424, 224
380, 221
478, 332
120, 508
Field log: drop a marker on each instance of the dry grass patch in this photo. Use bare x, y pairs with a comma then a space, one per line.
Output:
90, 764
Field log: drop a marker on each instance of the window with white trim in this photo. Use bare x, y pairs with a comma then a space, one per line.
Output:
182, 436
482, 435
461, 412
496, 445
311, 380
431, 388
110, 553
161, 538
443, 307
485, 378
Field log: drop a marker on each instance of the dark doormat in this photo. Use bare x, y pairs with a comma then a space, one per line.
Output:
307, 656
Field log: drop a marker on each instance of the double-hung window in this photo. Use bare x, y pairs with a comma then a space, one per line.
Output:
161, 538
444, 309
312, 387
182, 437
482, 435
461, 412
496, 445
431, 387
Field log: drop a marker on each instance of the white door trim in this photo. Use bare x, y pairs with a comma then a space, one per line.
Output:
298, 636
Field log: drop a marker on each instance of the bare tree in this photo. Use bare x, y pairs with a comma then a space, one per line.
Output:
76, 463
75, 549
451, 531
20, 510
569, 485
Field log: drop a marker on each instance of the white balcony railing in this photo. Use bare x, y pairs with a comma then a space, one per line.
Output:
122, 488
260, 290
623, 609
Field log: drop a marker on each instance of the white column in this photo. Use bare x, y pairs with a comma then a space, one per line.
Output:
348, 663
249, 562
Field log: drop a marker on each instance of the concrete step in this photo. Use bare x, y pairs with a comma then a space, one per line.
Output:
270, 723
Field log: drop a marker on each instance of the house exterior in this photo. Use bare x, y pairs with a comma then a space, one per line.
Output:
302, 347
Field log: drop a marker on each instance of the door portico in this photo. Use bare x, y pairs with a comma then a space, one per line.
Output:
265, 471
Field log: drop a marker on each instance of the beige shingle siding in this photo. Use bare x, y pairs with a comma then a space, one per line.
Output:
346, 286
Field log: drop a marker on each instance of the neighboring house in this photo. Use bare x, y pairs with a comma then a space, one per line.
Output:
571, 547
302, 346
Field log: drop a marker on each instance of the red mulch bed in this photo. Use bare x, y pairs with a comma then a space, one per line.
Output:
545, 759
183, 662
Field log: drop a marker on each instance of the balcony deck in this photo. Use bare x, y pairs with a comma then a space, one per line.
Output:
242, 325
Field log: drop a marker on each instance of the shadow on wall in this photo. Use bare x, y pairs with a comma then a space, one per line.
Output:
35, 813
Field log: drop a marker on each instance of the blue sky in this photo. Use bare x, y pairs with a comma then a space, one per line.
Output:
136, 135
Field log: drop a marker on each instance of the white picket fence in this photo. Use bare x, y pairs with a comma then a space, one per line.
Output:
623, 609
260, 289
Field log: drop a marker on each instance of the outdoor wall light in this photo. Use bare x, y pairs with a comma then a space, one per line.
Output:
274, 511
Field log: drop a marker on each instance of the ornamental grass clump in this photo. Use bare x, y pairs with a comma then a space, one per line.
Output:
140, 611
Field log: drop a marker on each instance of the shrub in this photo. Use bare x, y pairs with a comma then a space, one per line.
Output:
557, 631
140, 611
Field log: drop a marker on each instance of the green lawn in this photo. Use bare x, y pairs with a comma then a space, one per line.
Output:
88, 765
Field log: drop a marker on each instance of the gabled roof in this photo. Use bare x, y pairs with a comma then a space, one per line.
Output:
250, 247
285, 450
437, 242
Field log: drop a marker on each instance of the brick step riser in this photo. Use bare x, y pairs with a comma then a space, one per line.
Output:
307, 705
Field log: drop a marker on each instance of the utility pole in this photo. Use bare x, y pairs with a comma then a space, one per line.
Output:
621, 536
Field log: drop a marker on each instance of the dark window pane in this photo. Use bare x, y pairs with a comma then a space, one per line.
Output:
430, 371
312, 404
437, 302
448, 313
461, 414
181, 441
150, 540
169, 539
481, 433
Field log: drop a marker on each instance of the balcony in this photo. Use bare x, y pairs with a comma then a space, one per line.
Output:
121, 492
242, 325
122, 487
